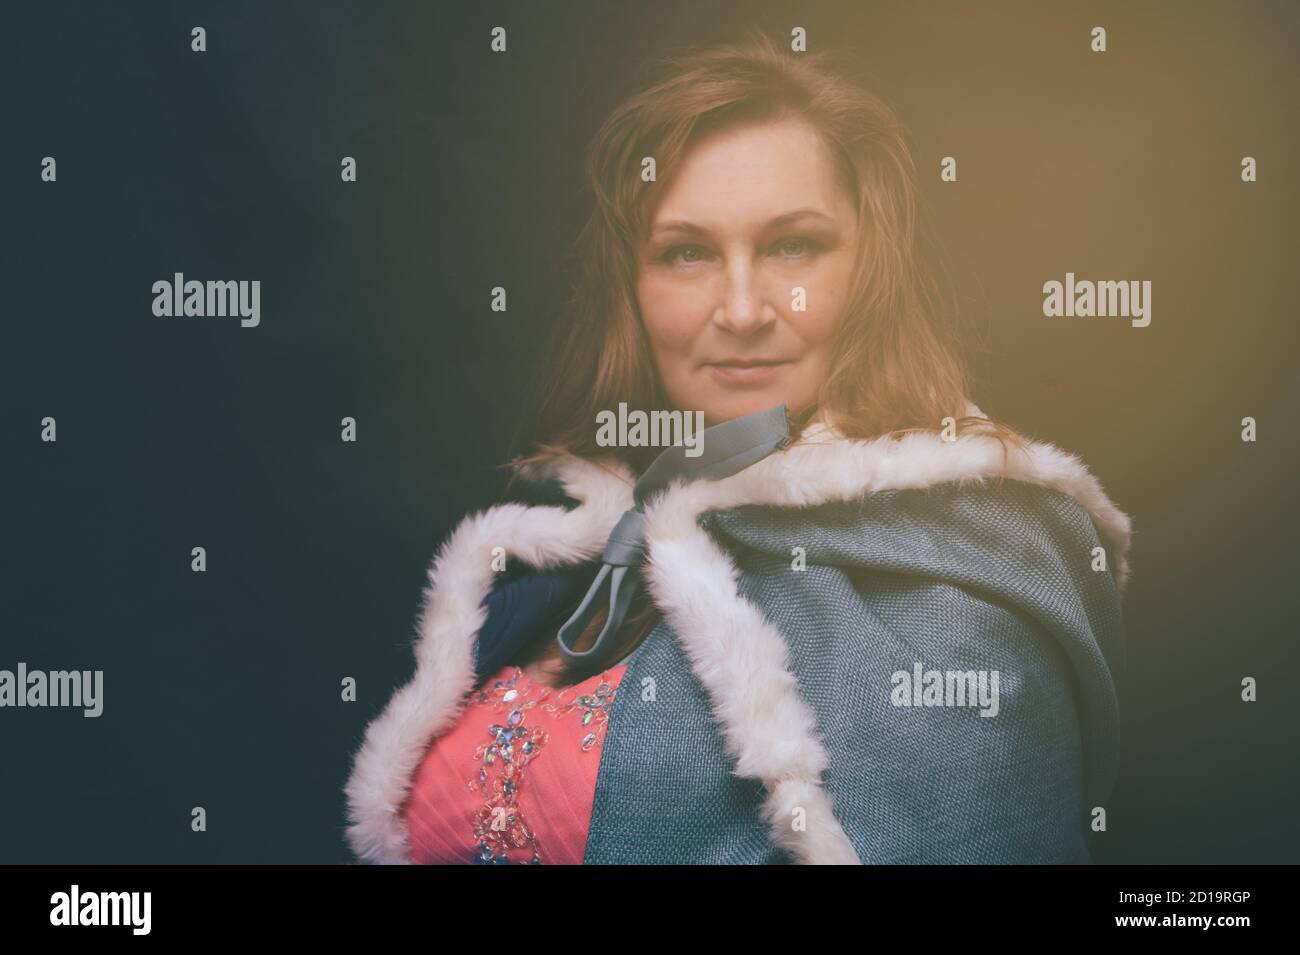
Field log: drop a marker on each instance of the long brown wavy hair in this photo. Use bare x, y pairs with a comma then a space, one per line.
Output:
895, 367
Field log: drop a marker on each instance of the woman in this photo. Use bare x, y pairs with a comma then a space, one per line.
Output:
866, 625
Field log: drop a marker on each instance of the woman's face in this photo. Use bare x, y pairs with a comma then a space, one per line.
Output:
755, 213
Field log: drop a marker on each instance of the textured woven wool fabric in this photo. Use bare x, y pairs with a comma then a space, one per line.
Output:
994, 577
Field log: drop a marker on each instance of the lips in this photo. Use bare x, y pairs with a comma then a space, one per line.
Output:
745, 372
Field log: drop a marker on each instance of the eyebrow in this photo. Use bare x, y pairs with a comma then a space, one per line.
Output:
786, 218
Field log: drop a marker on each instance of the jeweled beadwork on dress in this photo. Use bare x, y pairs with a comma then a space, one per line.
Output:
499, 823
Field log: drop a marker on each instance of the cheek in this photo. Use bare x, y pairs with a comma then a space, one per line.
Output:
827, 299
672, 318
833, 286
817, 327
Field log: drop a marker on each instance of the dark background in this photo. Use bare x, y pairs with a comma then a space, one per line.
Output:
222, 689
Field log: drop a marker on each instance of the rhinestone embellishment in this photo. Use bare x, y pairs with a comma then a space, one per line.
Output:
498, 823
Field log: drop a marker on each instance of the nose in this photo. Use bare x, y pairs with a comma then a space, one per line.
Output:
744, 309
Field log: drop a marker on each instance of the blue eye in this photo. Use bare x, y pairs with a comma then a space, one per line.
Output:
671, 255
808, 245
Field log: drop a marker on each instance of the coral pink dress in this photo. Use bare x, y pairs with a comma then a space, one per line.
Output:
515, 778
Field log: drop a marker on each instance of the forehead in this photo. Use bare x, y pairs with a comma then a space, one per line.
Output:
742, 176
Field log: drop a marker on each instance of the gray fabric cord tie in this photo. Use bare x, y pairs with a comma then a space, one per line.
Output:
726, 449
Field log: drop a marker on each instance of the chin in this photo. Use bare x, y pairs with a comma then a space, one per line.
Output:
725, 407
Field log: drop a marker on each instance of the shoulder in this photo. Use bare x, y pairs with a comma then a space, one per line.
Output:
960, 504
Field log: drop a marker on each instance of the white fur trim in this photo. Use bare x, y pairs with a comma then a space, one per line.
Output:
452, 615
742, 661
824, 470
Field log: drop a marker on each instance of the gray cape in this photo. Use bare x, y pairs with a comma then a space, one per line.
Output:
892, 651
